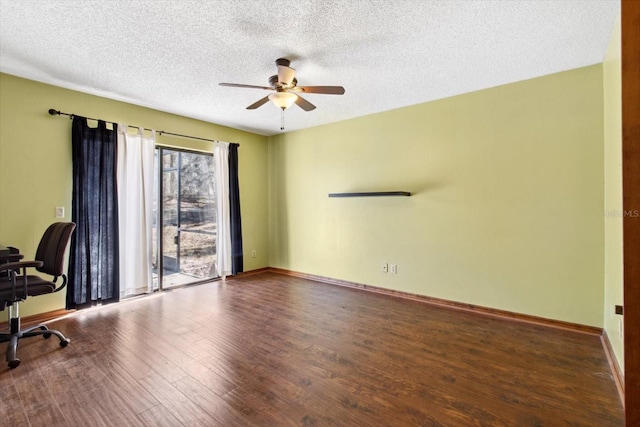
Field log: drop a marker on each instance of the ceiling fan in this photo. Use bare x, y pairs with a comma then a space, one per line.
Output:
286, 89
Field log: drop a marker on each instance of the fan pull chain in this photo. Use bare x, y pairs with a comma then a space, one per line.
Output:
282, 119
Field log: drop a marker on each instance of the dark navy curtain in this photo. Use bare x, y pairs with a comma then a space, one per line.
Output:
93, 261
234, 212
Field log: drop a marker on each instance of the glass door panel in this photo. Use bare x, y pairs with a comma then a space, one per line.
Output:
197, 229
188, 244
170, 183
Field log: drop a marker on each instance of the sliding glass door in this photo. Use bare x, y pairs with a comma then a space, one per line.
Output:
185, 243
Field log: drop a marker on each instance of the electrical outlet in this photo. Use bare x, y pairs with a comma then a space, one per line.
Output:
621, 329
59, 211
253, 253
385, 267
394, 269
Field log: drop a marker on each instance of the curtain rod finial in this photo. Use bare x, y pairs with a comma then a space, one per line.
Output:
54, 112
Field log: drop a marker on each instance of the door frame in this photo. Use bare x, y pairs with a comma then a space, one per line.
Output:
630, 40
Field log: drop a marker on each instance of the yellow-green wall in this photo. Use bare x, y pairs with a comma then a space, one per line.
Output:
613, 265
508, 188
36, 167
506, 209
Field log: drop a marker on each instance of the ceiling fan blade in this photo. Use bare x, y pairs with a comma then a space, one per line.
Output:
258, 103
304, 104
245, 86
329, 90
285, 75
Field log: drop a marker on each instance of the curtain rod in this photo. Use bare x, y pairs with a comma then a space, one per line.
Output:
161, 132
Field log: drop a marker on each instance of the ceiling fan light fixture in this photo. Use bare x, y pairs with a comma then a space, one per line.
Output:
283, 100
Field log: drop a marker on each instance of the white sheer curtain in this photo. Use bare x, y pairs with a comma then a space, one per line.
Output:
221, 170
135, 210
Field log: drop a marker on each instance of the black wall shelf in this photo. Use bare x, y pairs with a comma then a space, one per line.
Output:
372, 194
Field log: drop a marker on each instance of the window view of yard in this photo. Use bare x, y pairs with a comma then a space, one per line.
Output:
188, 218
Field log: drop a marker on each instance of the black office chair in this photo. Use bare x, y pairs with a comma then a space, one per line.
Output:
17, 285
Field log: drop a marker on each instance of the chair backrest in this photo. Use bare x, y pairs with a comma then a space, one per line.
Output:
53, 246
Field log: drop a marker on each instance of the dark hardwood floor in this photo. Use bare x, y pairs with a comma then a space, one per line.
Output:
273, 350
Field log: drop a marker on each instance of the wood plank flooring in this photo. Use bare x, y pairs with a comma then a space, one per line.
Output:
273, 350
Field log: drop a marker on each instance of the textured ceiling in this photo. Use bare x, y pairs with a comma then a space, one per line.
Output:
171, 55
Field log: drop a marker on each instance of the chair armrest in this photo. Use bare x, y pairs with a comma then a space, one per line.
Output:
11, 258
13, 255
18, 265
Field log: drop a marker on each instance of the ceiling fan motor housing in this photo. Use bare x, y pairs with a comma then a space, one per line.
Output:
275, 83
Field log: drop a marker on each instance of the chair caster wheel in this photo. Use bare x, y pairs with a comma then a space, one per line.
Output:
14, 363
47, 335
65, 343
